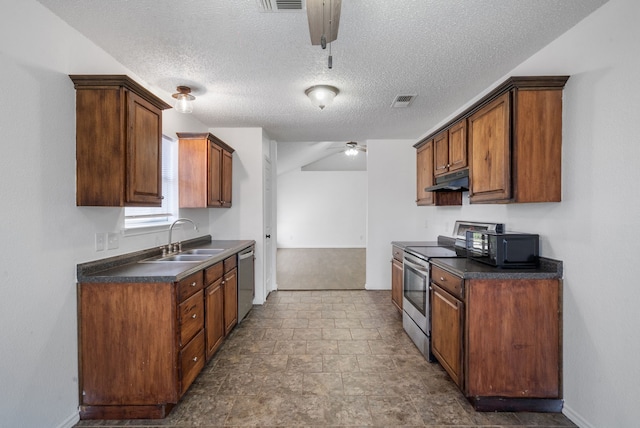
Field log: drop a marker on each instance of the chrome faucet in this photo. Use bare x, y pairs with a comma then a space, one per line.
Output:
180, 220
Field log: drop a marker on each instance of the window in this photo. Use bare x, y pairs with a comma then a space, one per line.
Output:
142, 217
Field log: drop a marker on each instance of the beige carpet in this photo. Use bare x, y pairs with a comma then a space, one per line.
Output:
320, 268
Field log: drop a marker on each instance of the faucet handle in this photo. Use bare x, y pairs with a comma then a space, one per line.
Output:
179, 246
164, 250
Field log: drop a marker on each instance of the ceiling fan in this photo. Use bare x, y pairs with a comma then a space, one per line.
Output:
350, 148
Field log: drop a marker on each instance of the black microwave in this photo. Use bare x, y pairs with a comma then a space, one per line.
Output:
504, 250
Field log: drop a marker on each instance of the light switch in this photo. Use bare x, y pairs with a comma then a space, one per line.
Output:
100, 241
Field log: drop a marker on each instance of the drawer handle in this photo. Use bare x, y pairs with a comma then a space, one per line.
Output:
442, 278
193, 284
194, 316
195, 359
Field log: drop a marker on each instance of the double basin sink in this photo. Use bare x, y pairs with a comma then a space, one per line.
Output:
196, 255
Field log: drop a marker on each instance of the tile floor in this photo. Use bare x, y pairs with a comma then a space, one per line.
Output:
327, 358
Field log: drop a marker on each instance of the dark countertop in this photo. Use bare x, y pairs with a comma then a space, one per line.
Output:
469, 269
442, 240
126, 267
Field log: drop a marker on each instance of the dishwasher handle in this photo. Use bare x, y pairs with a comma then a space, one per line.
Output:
246, 255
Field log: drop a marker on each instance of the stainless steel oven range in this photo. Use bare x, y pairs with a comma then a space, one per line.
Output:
415, 300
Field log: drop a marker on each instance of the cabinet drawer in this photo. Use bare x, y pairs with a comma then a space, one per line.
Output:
190, 285
396, 253
213, 273
447, 280
191, 317
230, 263
191, 361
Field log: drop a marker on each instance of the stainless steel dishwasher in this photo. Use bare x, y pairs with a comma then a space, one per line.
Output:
246, 282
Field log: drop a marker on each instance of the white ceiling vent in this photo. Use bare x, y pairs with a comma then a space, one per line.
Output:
281, 5
403, 100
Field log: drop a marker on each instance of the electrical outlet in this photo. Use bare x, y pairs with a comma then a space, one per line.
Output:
100, 241
113, 241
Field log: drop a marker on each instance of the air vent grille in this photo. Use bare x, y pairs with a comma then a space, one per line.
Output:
403, 100
280, 5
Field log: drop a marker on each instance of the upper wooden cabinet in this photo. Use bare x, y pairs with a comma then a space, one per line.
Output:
450, 149
118, 142
511, 141
515, 143
425, 178
205, 171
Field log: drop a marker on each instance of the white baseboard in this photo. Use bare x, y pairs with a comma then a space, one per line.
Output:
575, 417
70, 421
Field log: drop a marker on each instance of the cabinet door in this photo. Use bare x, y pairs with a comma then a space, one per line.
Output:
214, 195
514, 338
489, 144
144, 153
458, 146
424, 174
193, 172
226, 177
447, 317
230, 285
441, 153
396, 283
214, 307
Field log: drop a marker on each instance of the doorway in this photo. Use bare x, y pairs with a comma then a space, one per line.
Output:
321, 268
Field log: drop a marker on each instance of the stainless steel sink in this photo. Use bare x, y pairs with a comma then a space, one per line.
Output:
207, 251
188, 258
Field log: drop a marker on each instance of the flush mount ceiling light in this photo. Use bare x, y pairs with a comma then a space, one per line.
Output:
322, 95
184, 99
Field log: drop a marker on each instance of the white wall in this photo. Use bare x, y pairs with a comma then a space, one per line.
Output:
322, 209
592, 230
44, 235
244, 219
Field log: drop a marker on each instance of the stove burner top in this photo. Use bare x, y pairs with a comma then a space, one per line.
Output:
430, 252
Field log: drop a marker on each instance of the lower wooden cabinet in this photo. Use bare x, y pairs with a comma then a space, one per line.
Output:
447, 314
214, 306
221, 302
499, 339
192, 358
396, 277
230, 285
140, 346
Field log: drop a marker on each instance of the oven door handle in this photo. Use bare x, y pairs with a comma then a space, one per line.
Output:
416, 266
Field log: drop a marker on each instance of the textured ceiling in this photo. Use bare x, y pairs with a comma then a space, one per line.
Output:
250, 69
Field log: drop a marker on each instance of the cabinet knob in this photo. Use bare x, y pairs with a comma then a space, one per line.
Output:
442, 278
193, 284
194, 316
195, 359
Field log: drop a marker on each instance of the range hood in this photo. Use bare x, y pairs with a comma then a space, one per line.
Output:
458, 180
